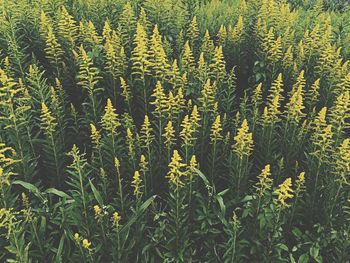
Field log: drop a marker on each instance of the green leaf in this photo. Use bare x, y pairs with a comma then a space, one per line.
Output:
138, 213
201, 175
303, 258
58, 257
57, 192
96, 193
314, 250
30, 187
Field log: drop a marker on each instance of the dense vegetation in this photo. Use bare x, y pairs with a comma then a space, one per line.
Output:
174, 131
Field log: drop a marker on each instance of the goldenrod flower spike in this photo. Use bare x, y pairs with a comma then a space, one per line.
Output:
67, 27
54, 51
160, 100
137, 184
207, 98
218, 65
195, 118
174, 75
106, 31
265, 181
243, 145
130, 143
95, 135
257, 95
110, 121
300, 184
340, 113
147, 136
186, 134
342, 162
98, 212
235, 33
207, 47
126, 92
176, 171
116, 219
140, 56
191, 167
222, 36
157, 57
187, 61
216, 130
48, 121
169, 135
284, 192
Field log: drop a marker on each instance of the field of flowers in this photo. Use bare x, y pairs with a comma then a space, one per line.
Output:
174, 131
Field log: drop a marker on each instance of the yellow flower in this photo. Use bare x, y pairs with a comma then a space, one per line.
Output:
95, 135
159, 100
146, 133
157, 56
187, 131
300, 183
284, 192
257, 95
288, 58
53, 49
207, 47
136, 184
295, 106
243, 145
67, 27
340, 113
48, 121
342, 161
111, 59
77, 237
130, 143
190, 169
8, 220
143, 164
195, 118
193, 31
86, 244
218, 66
110, 120
140, 57
176, 171
103, 173
222, 35
174, 75
98, 212
116, 163
116, 219
236, 32
207, 98
187, 60
313, 93
265, 181
126, 93
169, 135
216, 130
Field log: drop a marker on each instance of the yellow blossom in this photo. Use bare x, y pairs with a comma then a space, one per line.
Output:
216, 130
136, 184
243, 145
176, 171
265, 181
284, 192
